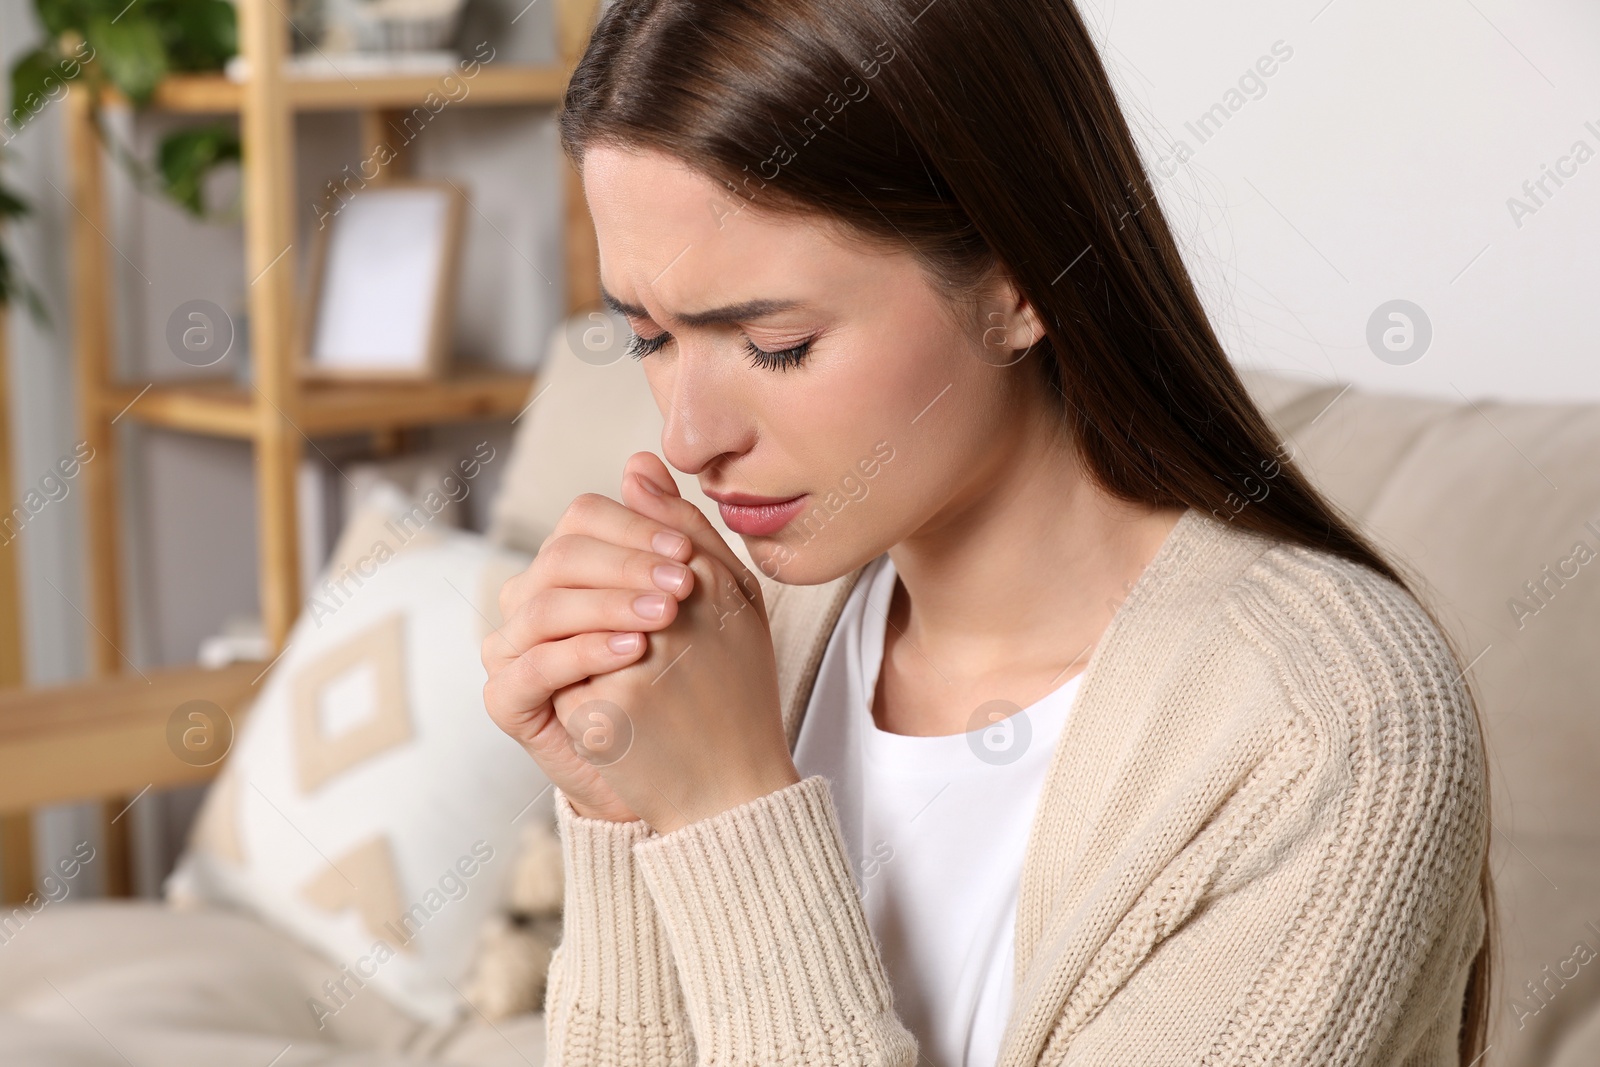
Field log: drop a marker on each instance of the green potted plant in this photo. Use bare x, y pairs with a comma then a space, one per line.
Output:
132, 45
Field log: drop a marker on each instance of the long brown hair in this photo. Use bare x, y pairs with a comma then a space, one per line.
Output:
983, 135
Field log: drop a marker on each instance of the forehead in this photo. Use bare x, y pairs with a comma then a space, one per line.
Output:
641, 196
669, 233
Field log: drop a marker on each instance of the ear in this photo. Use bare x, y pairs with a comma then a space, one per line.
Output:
671, 509
1030, 327
1011, 324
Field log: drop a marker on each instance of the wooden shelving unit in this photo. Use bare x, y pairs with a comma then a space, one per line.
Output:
277, 412
225, 409
204, 94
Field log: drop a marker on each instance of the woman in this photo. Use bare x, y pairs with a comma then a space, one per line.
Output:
1065, 723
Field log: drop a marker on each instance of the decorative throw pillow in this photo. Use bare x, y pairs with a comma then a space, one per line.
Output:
369, 806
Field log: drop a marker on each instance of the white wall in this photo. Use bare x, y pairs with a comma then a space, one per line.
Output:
1376, 163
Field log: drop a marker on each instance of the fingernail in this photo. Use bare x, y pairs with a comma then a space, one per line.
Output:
650, 486
621, 643
650, 606
668, 544
669, 576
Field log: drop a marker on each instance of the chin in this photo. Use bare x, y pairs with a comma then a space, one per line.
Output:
810, 564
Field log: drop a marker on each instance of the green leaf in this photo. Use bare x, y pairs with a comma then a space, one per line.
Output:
12, 206
35, 76
131, 51
188, 156
58, 16
10, 284
13, 287
199, 34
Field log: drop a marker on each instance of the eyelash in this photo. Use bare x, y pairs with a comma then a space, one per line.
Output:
639, 347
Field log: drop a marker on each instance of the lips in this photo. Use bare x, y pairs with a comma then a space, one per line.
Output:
756, 516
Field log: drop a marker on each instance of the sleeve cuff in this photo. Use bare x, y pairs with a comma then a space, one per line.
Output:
776, 961
613, 993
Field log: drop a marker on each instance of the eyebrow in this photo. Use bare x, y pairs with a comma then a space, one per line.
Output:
728, 314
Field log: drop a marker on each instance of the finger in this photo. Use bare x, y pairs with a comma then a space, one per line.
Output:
578, 561
601, 518
672, 509
610, 520
517, 696
556, 614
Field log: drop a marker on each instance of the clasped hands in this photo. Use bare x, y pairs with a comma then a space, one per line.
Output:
679, 724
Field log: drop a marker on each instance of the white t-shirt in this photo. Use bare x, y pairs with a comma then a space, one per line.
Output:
935, 827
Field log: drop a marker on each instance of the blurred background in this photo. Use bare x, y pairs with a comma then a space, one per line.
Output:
187, 521
1395, 152
1400, 197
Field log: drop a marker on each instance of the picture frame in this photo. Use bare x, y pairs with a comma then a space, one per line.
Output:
383, 277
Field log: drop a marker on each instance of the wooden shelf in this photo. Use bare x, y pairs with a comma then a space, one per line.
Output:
230, 410
124, 750
108, 738
276, 411
218, 94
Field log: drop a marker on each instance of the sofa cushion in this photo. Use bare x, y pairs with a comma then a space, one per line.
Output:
109, 982
140, 964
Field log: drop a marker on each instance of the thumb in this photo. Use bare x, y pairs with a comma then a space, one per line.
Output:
645, 469
679, 513
649, 465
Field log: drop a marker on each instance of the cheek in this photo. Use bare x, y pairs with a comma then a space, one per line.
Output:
892, 416
883, 390
927, 428
811, 423
885, 432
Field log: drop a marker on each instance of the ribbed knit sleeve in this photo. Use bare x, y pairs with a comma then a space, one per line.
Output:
777, 963
612, 998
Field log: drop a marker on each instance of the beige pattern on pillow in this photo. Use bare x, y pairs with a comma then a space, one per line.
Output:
319, 757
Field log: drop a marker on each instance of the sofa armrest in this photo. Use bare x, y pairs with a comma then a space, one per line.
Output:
109, 737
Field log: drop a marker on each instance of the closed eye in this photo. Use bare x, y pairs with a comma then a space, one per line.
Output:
639, 347
783, 359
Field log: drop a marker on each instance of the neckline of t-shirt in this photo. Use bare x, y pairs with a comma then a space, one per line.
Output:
1044, 717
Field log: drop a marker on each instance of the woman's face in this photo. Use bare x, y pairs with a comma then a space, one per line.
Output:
899, 414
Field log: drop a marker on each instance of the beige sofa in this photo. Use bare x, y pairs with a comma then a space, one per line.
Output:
1477, 499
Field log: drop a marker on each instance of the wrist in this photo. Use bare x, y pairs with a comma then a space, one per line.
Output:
737, 795
601, 814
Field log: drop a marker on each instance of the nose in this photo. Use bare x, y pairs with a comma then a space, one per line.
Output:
706, 418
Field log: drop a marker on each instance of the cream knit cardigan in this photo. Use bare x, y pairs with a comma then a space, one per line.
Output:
1258, 842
